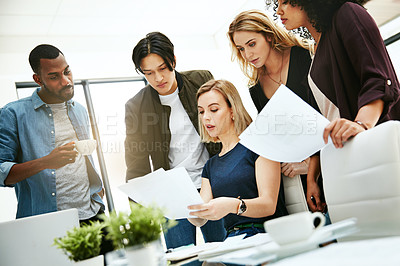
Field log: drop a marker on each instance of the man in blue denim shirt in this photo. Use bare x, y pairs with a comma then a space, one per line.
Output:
37, 136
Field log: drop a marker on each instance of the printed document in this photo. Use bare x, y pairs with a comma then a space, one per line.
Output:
171, 190
286, 130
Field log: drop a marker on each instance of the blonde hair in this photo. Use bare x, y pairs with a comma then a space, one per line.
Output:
241, 118
257, 21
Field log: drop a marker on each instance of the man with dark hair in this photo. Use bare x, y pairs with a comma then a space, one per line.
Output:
37, 136
162, 127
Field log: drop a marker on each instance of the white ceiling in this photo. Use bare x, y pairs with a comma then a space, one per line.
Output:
105, 18
117, 17
111, 28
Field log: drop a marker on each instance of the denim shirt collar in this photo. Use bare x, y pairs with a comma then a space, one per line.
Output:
38, 102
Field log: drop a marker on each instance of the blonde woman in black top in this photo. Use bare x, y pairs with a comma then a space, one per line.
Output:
269, 56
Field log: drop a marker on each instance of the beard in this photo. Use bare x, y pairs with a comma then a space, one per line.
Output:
61, 95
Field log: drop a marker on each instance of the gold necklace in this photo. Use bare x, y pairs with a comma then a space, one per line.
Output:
280, 74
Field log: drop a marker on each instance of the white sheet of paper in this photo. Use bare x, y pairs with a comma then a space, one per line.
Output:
247, 256
235, 243
371, 252
172, 190
286, 130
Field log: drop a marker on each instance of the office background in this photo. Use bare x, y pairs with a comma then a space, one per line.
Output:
97, 38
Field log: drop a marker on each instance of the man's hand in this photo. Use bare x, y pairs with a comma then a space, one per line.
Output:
57, 158
61, 156
314, 197
101, 193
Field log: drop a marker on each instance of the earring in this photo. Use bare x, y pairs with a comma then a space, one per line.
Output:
233, 118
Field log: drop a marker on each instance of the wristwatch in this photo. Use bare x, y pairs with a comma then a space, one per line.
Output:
242, 207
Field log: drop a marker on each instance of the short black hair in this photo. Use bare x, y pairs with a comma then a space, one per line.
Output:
42, 51
154, 43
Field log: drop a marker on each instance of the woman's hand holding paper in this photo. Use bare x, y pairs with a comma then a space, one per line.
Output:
215, 209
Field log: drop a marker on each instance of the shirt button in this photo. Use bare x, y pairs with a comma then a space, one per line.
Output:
53, 194
49, 114
52, 172
389, 82
52, 132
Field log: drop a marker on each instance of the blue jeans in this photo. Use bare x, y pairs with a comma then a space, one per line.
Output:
327, 218
250, 231
184, 233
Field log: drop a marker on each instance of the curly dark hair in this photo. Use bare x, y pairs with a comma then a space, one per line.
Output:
320, 12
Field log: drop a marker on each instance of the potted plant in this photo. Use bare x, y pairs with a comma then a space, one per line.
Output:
138, 232
82, 243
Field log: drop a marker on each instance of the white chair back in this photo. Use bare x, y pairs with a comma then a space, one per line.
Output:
362, 180
29, 241
294, 194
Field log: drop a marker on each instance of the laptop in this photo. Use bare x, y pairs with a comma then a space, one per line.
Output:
29, 241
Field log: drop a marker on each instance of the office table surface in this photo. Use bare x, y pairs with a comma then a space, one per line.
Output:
374, 252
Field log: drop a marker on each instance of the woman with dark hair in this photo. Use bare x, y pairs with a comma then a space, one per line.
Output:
351, 72
351, 69
162, 127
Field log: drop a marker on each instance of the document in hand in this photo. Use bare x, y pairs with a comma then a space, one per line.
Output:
172, 190
286, 130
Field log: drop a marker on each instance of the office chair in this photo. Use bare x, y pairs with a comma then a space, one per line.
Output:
294, 194
362, 180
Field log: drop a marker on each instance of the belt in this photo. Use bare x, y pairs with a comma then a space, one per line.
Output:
242, 226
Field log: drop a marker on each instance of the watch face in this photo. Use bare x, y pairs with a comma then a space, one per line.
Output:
242, 207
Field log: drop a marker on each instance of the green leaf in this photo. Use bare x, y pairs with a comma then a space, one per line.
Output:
81, 243
142, 225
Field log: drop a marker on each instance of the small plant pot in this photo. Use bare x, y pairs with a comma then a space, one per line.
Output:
95, 261
151, 254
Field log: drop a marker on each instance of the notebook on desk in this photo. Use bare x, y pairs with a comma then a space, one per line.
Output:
29, 241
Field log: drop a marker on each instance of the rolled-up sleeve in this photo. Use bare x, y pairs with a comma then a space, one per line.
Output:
4, 170
368, 55
8, 143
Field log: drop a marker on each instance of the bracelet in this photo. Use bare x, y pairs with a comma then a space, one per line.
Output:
361, 124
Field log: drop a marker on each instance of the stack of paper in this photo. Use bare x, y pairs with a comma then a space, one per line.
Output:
172, 190
182, 253
236, 243
269, 251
